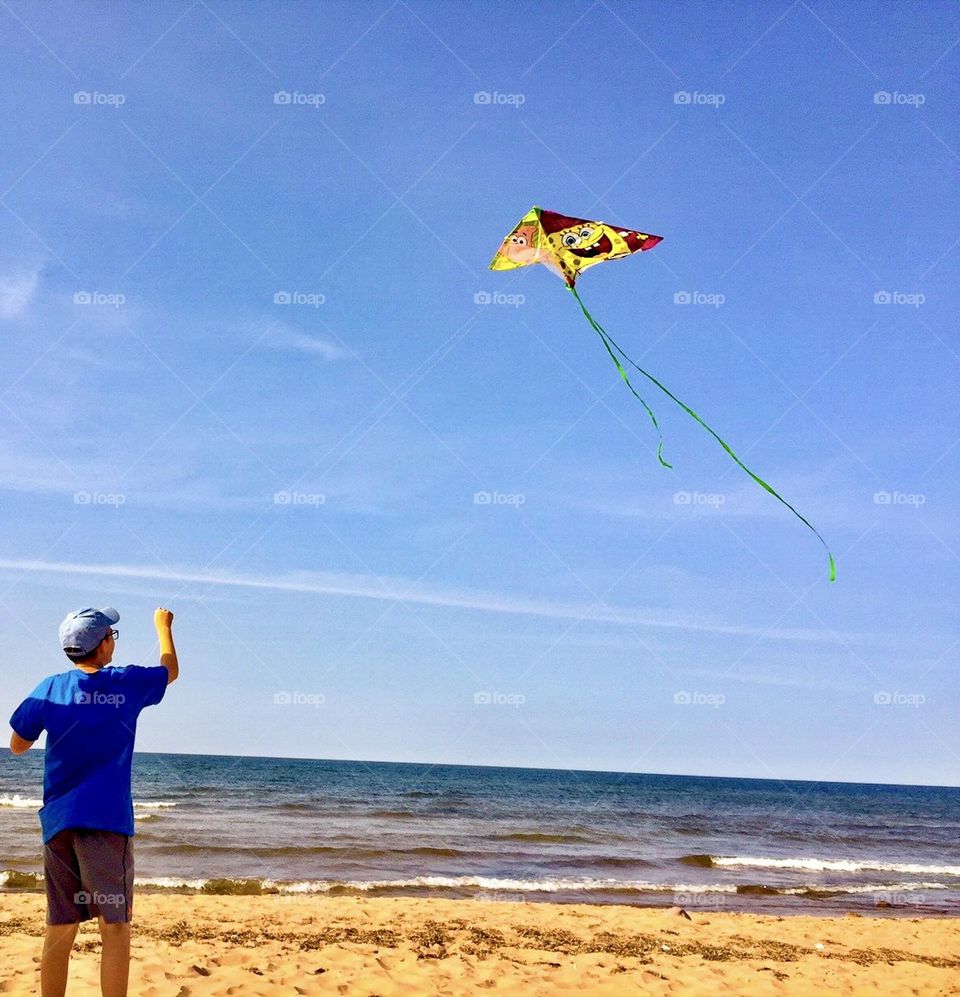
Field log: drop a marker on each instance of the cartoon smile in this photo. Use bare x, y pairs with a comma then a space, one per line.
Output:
598, 248
585, 241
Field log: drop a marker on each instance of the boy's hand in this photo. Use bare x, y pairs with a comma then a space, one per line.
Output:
163, 621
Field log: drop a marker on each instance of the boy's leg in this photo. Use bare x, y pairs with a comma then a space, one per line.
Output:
114, 958
57, 943
66, 908
106, 867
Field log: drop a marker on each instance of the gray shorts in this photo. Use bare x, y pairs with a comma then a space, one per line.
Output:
88, 873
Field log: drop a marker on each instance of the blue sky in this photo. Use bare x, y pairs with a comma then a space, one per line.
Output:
213, 298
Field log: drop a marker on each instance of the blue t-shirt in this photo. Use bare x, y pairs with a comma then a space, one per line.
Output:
91, 723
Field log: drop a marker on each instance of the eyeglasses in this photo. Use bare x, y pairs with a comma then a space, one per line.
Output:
114, 634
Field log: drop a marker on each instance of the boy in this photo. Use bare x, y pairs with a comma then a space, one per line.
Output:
90, 716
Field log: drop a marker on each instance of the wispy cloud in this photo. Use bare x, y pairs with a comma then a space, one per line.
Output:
401, 590
285, 337
790, 680
17, 290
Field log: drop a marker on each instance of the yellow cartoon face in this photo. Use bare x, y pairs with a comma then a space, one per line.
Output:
580, 236
586, 240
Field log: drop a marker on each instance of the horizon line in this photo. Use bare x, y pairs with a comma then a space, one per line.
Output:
545, 768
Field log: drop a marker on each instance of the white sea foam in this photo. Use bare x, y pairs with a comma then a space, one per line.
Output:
505, 885
835, 865
20, 802
171, 882
497, 884
871, 888
7, 873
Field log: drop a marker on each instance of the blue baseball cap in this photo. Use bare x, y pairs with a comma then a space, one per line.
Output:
82, 631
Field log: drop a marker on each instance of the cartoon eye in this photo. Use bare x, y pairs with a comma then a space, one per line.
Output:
585, 233
571, 239
520, 240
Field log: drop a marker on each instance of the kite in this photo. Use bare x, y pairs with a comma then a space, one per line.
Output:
568, 246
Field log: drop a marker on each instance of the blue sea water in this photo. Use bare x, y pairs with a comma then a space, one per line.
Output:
226, 824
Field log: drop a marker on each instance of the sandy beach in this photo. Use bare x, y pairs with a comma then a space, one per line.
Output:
191, 945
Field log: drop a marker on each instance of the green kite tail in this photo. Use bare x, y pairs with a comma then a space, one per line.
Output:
611, 345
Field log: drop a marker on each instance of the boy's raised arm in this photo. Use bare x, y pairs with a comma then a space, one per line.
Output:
163, 621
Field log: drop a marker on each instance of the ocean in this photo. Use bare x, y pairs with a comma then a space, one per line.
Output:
221, 824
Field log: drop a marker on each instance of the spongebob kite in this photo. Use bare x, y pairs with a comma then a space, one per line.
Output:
568, 246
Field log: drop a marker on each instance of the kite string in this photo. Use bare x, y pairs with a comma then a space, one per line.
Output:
608, 343
726, 446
